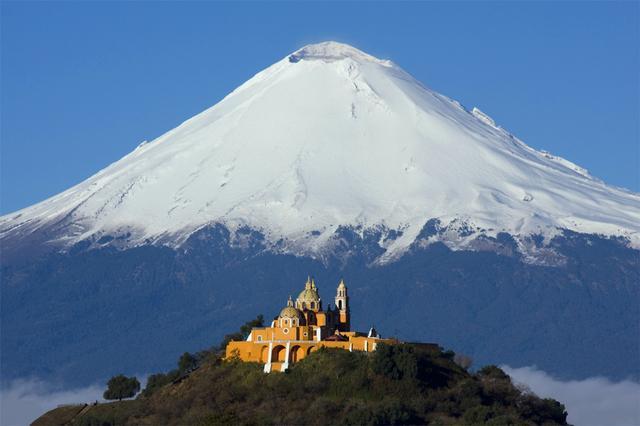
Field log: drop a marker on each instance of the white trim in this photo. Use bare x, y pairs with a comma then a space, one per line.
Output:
285, 364
267, 366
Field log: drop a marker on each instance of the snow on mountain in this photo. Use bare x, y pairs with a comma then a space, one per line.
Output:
332, 136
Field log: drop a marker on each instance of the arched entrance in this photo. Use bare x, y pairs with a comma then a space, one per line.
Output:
296, 354
264, 354
311, 349
279, 354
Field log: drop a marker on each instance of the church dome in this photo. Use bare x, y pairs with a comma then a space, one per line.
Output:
308, 298
308, 295
290, 312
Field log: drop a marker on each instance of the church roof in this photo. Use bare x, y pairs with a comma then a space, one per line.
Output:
337, 338
308, 295
290, 312
310, 292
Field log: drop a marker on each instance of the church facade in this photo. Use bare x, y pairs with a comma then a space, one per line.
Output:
302, 327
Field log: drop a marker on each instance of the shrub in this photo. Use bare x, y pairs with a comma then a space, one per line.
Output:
187, 363
493, 372
477, 415
396, 362
156, 381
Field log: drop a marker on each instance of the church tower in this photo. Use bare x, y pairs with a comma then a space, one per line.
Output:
342, 305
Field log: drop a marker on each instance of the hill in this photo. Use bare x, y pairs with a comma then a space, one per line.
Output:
404, 384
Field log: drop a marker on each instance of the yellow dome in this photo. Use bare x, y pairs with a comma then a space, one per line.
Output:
290, 312
308, 295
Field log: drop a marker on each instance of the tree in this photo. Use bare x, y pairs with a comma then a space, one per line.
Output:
245, 329
493, 372
187, 363
155, 382
395, 361
383, 362
120, 387
248, 326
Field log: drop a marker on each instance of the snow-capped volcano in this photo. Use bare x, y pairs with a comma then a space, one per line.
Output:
330, 136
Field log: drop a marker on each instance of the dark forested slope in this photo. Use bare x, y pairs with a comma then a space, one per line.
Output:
88, 314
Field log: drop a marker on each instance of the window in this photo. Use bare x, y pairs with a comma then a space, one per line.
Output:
313, 305
259, 338
285, 330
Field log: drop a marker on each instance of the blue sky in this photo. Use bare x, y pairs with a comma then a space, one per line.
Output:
84, 83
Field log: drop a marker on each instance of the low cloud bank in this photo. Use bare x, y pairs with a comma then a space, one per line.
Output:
23, 401
594, 401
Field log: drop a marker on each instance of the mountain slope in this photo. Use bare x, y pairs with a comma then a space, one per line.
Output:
327, 137
85, 315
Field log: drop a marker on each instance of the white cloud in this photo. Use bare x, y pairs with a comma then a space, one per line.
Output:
23, 401
595, 401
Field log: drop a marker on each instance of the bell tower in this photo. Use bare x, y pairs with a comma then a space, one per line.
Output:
342, 305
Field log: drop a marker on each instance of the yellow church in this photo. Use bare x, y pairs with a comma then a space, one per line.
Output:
301, 328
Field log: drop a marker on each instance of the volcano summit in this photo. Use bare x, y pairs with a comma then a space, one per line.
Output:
334, 161
328, 137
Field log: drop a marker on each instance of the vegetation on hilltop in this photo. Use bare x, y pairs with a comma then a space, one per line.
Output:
402, 384
120, 387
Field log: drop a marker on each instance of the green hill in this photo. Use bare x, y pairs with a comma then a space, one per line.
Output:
404, 384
